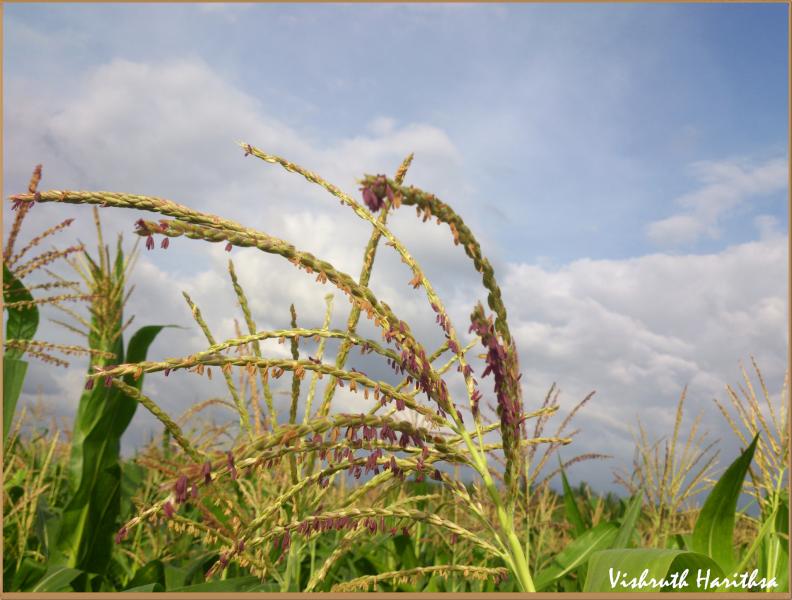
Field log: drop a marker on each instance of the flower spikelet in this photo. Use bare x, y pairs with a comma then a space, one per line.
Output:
502, 363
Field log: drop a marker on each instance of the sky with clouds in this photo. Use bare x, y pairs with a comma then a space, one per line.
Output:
623, 166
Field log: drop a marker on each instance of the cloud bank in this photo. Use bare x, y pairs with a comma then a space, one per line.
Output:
635, 330
725, 186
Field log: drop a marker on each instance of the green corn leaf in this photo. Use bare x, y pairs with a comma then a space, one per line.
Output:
25, 577
713, 533
405, 551
763, 538
782, 518
152, 573
56, 579
139, 344
90, 519
609, 569
781, 571
682, 541
120, 264
576, 554
92, 407
96, 271
571, 508
780, 539
45, 525
176, 577
13, 379
22, 322
192, 573
137, 350
631, 514
771, 544
21, 325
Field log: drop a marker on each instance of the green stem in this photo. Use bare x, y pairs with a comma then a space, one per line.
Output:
517, 558
243, 304
354, 315
319, 356
295, 395
244, 416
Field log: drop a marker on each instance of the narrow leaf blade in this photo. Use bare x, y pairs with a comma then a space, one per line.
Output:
713, 533
577, 553
22, 322
631, 514
56, 579
14, 371
571, 508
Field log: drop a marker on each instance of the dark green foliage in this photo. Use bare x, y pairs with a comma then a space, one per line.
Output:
570, 505
22, 320
632, 511
14, 371
90, 519
576, 554
151, 573
21, 325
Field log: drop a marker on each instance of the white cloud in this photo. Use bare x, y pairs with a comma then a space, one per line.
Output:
382, 125
725, 186
677, 230
638, 330
767, 226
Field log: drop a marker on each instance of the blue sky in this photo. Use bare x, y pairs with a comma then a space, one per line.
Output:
590, 147
594, 111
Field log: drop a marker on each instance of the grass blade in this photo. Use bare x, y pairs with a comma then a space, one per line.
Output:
22, 320
90, 517
56, 579
713, 533
21, 325
631, 514
577, 553
137, 351
13, 378
571, 508
150, 574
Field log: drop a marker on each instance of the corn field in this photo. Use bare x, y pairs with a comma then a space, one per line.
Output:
444, 480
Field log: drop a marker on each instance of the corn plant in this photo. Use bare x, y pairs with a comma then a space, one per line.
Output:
759, 413
263, 502
710, 548
35, 480
72, 545
22, 309
768, 480
90, 518
671, 472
